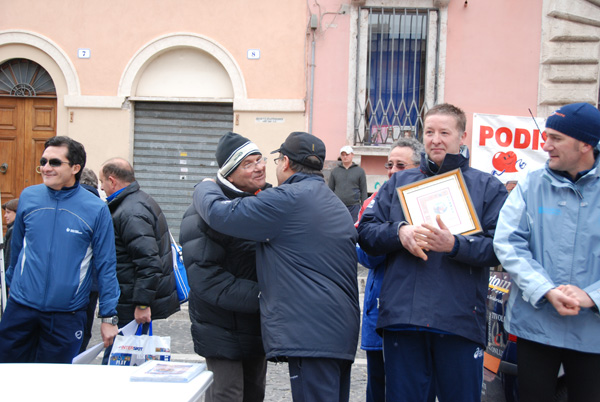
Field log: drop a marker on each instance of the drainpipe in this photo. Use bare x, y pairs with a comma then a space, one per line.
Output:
314, 23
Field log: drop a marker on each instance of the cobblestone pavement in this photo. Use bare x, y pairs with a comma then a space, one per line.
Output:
278, 387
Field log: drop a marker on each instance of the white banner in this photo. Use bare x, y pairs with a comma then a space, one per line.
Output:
507, 146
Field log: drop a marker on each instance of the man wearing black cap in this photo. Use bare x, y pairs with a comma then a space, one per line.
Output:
547, 238
224, 307
306, 265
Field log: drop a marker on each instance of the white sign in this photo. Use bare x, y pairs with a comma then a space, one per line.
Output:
253, 54
84, 53
507, 146
270, 120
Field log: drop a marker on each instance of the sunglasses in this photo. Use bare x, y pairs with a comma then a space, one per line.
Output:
52, 162
399, 166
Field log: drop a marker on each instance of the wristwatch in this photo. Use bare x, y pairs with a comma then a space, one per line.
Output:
114, 320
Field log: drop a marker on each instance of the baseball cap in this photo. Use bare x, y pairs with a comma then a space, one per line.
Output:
299, 146
347, 149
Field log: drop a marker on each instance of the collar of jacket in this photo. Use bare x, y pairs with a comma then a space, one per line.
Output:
131, 188
450, 162
64, 193
561, 181
230, 191
298, 177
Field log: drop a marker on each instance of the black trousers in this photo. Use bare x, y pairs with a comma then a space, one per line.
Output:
319, 379
538, 371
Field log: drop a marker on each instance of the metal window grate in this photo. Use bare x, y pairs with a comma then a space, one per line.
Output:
393, 101
25, 78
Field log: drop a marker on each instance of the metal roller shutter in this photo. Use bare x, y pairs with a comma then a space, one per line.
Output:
174, 148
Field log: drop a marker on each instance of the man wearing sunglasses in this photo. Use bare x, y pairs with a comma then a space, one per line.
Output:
405, 154
60, 230
224, 307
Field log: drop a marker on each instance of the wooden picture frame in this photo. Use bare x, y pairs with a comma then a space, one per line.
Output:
446, 195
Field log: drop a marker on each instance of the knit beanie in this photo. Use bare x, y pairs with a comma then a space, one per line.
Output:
232, 150
578, 120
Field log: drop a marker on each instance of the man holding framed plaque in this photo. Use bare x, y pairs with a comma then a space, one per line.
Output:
432, 301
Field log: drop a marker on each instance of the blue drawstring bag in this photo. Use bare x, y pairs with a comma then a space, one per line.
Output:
181, 280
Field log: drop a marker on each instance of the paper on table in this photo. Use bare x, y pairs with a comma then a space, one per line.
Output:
164, 371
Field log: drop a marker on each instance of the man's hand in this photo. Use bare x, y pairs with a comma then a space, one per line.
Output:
108, 333
407, 238
142, 316
577, 293
429, 237
565, 305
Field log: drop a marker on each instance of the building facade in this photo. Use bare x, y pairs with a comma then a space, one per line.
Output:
158, 82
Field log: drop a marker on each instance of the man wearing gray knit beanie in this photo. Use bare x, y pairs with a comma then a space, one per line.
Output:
224, 297
547, 239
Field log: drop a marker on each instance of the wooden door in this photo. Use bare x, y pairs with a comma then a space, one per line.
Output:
25, 125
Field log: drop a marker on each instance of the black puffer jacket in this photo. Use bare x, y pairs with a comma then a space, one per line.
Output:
144, 260
224, 307
6, 241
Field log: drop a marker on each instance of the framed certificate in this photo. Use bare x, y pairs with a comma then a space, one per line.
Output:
445, 195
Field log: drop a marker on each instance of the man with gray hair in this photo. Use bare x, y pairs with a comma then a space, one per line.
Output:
404, 154
143, 246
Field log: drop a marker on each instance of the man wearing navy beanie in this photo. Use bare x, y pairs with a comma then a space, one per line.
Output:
547, 239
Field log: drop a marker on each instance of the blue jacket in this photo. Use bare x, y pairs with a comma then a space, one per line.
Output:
548, 235
448, 291
306, 263
57, 236
369, 338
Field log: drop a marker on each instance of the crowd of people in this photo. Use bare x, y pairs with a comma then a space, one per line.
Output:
272, 270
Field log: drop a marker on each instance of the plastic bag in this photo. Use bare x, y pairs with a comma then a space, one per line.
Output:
133, 350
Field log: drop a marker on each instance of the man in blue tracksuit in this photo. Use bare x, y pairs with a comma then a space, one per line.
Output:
306, 268
432, 301
548, 239
60, 231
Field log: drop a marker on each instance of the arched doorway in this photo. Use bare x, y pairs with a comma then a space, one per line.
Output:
27, 120
182, 88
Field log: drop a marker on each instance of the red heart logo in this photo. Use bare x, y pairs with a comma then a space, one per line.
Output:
505, 162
